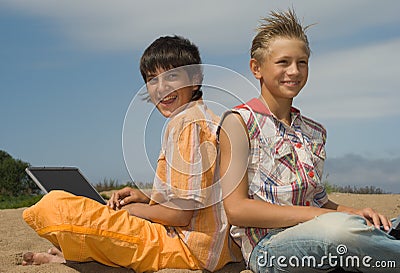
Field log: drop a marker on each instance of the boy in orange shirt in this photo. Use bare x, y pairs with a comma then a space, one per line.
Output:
177, 226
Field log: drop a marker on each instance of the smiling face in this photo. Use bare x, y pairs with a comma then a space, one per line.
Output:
170, 90
283, 72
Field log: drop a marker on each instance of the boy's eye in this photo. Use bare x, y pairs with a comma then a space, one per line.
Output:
172, 76
304, 62
281, 62
152, 80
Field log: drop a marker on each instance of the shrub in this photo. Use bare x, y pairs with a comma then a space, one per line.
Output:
112, 184
13, 179
13, 202
352, 189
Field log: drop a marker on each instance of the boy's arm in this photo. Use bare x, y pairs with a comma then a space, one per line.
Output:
166, 214
240, 210
136, 203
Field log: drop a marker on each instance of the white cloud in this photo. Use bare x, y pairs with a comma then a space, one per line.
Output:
356, 82
125, 25
220, 26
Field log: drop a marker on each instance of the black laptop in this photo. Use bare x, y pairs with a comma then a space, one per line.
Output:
69, 179
395, 229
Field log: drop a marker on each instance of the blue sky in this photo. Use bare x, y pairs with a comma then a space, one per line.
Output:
69, 70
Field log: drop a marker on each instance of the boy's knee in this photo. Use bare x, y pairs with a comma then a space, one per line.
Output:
332, 228
56, 195
54, 198
339, 220
45, 209
320, 235
341, 227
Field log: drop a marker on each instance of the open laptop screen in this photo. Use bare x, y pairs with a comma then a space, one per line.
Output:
69, 179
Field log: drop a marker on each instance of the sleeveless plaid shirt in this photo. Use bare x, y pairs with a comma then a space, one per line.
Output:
285, 164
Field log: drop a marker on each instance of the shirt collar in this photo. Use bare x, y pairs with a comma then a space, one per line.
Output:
258, 106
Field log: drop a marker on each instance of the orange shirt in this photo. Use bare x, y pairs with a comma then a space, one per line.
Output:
187, 170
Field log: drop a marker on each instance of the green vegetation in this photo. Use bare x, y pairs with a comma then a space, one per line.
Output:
13, 202
13, 179
112, 184
352, 189
16, 188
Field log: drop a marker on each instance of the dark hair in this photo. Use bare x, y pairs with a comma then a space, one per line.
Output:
170, 52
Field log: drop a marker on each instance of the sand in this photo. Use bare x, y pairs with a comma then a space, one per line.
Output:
16, 238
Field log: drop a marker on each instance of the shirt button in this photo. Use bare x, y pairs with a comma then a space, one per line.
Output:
298, 145
307, 203
311, 174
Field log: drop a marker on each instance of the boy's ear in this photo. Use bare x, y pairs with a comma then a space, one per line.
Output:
196, 80
255, 68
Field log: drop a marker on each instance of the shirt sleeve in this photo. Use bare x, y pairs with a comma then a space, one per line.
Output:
320, 197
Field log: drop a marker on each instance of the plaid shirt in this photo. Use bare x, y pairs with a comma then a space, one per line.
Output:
285, 164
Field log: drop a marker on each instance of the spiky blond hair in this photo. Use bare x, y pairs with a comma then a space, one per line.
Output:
278, 24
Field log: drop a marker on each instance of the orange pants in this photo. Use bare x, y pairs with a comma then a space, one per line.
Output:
85, 231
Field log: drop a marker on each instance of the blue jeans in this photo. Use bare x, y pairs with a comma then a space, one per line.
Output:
330, 241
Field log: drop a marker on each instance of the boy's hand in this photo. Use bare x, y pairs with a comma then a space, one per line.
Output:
374, 218
126, 196
370, 215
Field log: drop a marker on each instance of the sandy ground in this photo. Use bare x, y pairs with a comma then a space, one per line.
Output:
16, 238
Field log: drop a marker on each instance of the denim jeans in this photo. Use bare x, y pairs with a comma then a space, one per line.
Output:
328, 242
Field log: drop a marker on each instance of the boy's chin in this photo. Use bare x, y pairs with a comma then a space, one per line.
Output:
171, 112
167, 113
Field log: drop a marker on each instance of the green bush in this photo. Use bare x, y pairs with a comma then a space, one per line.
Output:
13, 202
13, 179
112, 184
352, 189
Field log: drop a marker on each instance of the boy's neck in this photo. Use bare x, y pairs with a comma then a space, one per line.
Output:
281, 109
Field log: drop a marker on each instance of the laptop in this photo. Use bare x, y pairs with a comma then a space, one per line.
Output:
69, 179
395, 229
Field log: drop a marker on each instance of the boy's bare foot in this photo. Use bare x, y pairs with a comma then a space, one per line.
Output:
53, 255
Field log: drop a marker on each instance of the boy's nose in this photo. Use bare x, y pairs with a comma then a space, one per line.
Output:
162, 86
293, 69
163, 89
